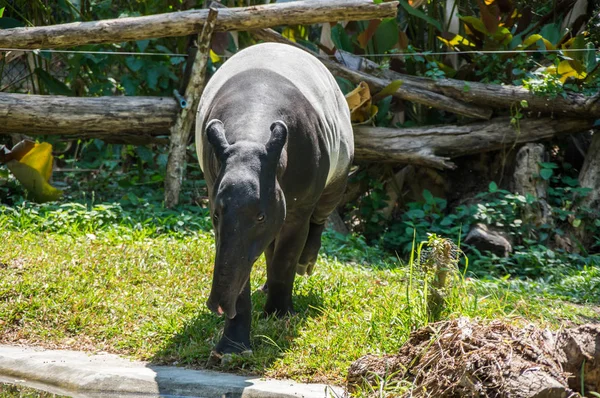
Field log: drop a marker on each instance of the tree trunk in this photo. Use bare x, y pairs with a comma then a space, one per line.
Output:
432, 146
589, 177
181, 130
187, 22
527, 181
118, 119
405, 92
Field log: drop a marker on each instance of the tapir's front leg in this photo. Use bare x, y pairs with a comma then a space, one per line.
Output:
236, 335
281, 270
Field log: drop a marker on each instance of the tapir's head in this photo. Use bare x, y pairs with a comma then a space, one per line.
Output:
247, 208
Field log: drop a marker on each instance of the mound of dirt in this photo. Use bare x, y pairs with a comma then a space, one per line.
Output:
470, 358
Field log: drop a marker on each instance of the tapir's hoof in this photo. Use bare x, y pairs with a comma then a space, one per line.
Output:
226, 359
279, 313
216, 358
302, 269
229, 346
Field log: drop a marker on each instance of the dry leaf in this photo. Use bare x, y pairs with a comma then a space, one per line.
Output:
359, 102
367, 34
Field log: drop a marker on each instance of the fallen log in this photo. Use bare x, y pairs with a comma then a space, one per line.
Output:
141, 120
187, 22
406, 91
433, 146
119, 119
494, 95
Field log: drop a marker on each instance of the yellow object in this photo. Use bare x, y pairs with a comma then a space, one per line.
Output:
568, 69
534, 38
456, 41
31, 164
214, 57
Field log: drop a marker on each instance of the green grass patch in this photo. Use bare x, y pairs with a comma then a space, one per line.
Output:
135, 282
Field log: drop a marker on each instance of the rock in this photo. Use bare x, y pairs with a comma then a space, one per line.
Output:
336, 223
580, 348
533, 382
484, 239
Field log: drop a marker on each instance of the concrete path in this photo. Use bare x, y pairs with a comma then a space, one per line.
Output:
82, 375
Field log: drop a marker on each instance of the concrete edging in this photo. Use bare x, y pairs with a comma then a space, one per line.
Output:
83, 374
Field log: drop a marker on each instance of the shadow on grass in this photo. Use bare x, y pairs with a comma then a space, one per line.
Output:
271, 337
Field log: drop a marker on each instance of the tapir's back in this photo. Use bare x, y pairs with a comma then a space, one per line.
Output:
309, 76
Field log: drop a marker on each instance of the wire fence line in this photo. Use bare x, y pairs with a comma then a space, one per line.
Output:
16, 75
92, 52
408, 54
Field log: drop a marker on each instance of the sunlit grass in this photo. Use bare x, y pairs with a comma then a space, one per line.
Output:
139, 289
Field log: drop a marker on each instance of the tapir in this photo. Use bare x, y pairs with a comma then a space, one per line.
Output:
275, 143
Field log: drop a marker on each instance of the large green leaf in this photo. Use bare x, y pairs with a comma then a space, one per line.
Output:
142, 44
53, 85
340, 38
475, 23
152, 77
386, 35
590, 57
420, 14
551, 32
9, 23
135, 64
546, 173
388, 90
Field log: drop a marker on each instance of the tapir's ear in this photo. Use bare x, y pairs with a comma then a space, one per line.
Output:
279, 133
215, 132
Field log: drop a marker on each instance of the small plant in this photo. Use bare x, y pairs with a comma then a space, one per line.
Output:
439, 264
544, 84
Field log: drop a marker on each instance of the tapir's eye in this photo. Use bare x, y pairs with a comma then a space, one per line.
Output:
260, 217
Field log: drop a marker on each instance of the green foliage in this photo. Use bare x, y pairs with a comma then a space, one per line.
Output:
144, 220
367, 210
420, 14
535, 254
15, 390
93, 74
425, 218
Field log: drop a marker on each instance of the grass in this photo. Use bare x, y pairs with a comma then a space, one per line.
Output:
135, 282
13, 390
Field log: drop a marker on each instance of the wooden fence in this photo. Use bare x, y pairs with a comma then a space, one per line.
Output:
141, 120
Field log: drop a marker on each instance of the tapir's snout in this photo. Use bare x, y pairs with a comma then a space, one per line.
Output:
231, 272
221, 308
